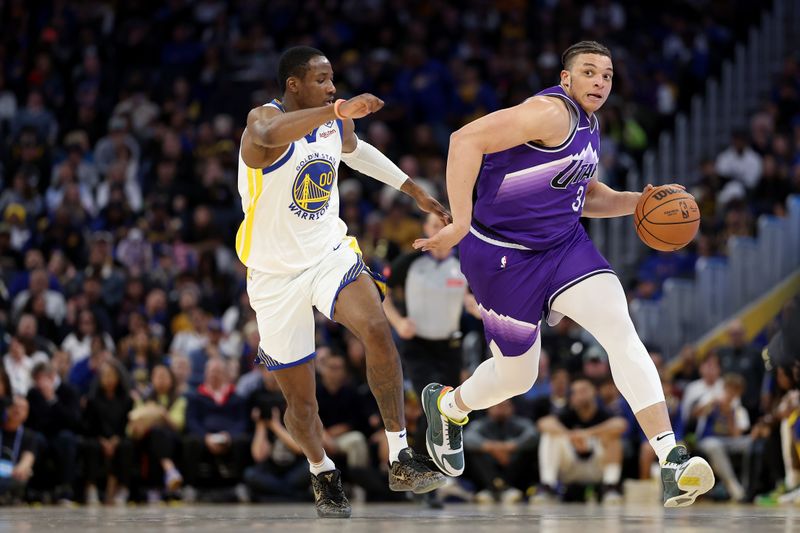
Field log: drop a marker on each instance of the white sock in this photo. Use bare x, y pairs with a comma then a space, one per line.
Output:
663, 444
326, 465
449, 408
397, 441
611, 474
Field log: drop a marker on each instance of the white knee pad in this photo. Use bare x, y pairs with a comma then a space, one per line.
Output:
598, 304
501, 377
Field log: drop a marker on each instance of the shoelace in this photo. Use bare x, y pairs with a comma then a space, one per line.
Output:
420, 463
452, 437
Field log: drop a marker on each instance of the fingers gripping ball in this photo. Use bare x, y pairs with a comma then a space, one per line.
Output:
666, 218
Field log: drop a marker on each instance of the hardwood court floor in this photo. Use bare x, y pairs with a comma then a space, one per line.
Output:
403, 518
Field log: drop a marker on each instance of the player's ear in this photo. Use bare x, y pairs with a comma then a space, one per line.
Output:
292, 84
565, 78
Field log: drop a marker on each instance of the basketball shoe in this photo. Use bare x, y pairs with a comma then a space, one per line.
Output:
443, 438
684, 478
329, 495
415, 473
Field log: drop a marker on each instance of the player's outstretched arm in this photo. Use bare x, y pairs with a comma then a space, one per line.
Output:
544, 120
269, 128
362, 156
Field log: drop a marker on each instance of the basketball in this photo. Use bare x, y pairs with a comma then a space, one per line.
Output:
666, 218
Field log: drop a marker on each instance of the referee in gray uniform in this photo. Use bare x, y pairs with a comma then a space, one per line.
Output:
427, 297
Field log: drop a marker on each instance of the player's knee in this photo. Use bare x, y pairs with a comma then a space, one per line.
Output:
518, 379
300, 409
374, 329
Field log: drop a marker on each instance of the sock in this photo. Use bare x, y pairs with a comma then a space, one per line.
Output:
326, 465
448, 407
611, 474
397, 441
663, 444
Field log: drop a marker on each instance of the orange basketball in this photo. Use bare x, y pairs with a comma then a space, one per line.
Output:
666, 218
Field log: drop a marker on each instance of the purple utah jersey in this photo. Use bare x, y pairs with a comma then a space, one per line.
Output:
526, 245
533, 195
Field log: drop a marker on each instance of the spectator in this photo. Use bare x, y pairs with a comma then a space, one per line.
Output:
501, 449
194, 336
281, 470
339, 408
28, 335
216, 423
582, 444
740, 162
181, 370
38, 285
108, 451
55, 413
17, 451
76, 143
35, 115
721, 431
101, 266
556, 401
107, 147
744, 359
78, 344
702, 392
18, 364
212, 348
83, 373
156, 424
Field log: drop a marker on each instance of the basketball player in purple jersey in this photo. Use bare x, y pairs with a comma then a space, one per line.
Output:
525, 255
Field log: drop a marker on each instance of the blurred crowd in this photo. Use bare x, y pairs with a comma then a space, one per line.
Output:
127, 337
752, 176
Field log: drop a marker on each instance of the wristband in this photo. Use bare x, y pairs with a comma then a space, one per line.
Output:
336, 105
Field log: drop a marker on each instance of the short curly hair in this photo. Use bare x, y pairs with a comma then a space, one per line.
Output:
294, 62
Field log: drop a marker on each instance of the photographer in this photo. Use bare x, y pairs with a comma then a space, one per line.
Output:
280, 472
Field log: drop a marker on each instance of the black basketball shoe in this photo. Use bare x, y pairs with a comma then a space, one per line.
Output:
329, 495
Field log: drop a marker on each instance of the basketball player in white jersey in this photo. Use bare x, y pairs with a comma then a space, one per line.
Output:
299, 256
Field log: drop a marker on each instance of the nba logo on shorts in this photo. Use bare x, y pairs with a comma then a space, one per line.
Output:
503, 262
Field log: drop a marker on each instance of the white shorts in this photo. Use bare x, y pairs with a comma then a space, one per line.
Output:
284, 303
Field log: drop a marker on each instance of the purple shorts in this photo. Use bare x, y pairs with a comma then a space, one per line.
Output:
515, 286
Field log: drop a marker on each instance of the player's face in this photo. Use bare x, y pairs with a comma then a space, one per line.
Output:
582, 394
316, 88
589, 80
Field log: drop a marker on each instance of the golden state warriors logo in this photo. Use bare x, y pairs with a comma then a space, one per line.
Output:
311, 191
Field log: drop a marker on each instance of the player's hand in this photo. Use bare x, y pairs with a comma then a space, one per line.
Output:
360, 106
649, 187
445, 238
429, 204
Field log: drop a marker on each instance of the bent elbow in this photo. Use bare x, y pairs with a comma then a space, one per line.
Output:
264, 134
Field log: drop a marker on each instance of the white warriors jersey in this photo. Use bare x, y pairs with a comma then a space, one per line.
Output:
291, 208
